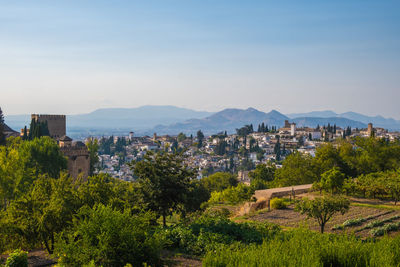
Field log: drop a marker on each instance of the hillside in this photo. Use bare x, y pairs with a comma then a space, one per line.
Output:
226, 120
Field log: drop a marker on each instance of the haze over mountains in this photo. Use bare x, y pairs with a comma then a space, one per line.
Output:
172, 120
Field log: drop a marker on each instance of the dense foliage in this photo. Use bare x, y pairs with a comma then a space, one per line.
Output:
165, 181
109, 237
232, 195
360, 156
213, 230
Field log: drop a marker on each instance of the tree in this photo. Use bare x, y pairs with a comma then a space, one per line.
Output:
261, 175
323, 208
277, 150
200, 137
25, 135
46, 210
332, 180
164, 180
181, 137
93, 147
219, 181
2, 134
296, 169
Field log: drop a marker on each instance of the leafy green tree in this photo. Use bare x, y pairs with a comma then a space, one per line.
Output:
332, 180
181, 137
323, 208
43, 212
219, 181
164, 180
262, 174
196, 195
392, 183
21, 162
297, 169
43, 156
93, 147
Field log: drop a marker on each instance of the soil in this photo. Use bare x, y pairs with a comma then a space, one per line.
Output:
290, 218
36, 258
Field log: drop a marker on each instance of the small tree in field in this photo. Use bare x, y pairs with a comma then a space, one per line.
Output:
323, 208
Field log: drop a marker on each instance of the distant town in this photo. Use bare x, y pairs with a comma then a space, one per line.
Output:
236, 153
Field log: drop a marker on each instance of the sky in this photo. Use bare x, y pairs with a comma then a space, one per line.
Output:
70, 57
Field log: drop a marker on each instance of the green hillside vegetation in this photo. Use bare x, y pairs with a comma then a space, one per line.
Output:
103, 221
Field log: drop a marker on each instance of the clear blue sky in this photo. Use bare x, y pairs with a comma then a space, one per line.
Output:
293, 56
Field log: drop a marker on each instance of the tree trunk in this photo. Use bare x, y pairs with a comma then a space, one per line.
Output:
46, 244
52, 244
322, 227
164, 219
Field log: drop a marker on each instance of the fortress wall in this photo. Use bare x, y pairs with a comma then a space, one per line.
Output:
56, 124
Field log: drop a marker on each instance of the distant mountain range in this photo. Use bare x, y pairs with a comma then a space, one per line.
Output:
225, 120
173, 120
378, 121
231, 119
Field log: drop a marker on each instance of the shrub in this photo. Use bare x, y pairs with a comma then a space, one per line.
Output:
354, 222
374, 224
338, 227
278, 203
109, 238
232, 195
385, 229
18, 258
210, 232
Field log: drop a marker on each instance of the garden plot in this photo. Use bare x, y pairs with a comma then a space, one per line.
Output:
290, 218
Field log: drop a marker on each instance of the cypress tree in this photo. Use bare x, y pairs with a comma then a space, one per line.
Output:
32, 129
25, 136
2, 134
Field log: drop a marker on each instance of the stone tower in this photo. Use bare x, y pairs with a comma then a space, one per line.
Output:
78, 157
55, 123
76, 152
370, 130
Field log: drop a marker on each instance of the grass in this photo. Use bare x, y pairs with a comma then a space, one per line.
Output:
305, 248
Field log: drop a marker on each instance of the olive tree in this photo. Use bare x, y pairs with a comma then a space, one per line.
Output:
323, 208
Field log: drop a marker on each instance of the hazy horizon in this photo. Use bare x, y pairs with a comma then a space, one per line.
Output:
73, 57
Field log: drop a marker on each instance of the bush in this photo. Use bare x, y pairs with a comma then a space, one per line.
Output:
18, 258
354, 222
374, 224
210, 232
232, 195
109, 238
278, 203
385, 229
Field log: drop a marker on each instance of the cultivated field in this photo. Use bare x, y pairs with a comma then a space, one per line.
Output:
360, 214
